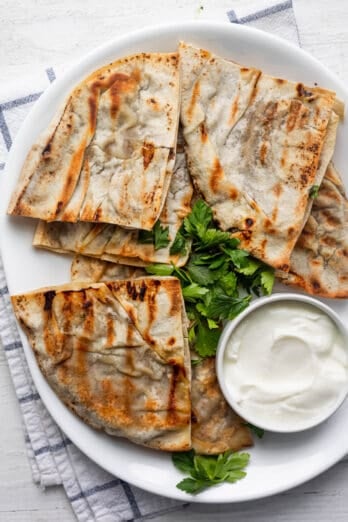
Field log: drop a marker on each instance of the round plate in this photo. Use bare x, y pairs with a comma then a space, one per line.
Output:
278, 462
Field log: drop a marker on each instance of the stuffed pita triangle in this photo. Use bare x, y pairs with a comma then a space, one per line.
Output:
319, 261
117, 244
109, 154
116, 354
215, 426
255, 146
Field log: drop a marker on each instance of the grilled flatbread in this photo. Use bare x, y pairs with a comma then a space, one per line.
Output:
254, 146
215, 426
89, 269
108, 156
116, 354
319, 261
116, 244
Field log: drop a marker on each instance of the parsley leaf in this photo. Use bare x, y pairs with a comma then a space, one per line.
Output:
184, 460
192, 334
259, 432
158, 236
238, 257
249, 267
200, 274
206, 471
222, 306
191, 485
196, 362
267, 280
199, 219
193, 292
146, 237
206, 339
229, 283
161, 236
182, 275
159, 269
212, 324
179, 245
314, 191
212, 237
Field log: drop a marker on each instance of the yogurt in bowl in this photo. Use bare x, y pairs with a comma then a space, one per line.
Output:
282, 364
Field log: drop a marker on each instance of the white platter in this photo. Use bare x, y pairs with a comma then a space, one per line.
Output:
278, 462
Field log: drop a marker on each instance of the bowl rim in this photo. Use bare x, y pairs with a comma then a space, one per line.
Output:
232, 325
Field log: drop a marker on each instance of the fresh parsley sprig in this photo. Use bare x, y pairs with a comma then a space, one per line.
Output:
207, 471
314, 191
216, 278
259, 432
158, 236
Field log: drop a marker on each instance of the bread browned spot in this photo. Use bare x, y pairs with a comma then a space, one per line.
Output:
194, 99
148, 152
234, 107
204, 135
216, 175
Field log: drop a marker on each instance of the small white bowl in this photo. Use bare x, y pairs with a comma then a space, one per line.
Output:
226, 334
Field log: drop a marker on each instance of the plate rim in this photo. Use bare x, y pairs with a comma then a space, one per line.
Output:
151, 30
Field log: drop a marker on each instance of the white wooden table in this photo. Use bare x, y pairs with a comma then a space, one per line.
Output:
43, 32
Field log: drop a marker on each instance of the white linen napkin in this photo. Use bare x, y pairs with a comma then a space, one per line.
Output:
94, 494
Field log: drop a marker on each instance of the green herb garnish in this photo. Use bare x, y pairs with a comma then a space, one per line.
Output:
259, 432
196, 362
314, 191
216, 278
158, 236
179, 245
160, 269
207, 471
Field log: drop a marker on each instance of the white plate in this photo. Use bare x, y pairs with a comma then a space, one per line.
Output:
278, 462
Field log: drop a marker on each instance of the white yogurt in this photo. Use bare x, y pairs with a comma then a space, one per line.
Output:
286, 365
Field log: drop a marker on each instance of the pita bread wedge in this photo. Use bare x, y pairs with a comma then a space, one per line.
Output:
254, 147
215, 426
319, 261
117, 244
116, 354
89, 269
108, 156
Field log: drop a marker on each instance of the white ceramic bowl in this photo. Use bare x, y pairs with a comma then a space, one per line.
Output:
228, 332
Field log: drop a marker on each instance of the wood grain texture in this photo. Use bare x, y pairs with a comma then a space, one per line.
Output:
45, 33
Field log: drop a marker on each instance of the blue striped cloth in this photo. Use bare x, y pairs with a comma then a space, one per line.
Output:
94, 494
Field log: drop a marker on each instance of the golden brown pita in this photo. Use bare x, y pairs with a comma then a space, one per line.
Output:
89, 269
108, 156
319, 261
254, 144
117, 244
116, 354
215, 426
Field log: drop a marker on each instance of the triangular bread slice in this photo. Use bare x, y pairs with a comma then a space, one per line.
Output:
255, 146
92, 270
319, 261
117, 244
108, 155
216, 427
116, 354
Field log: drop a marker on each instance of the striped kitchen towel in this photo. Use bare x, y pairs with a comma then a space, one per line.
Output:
95, 495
